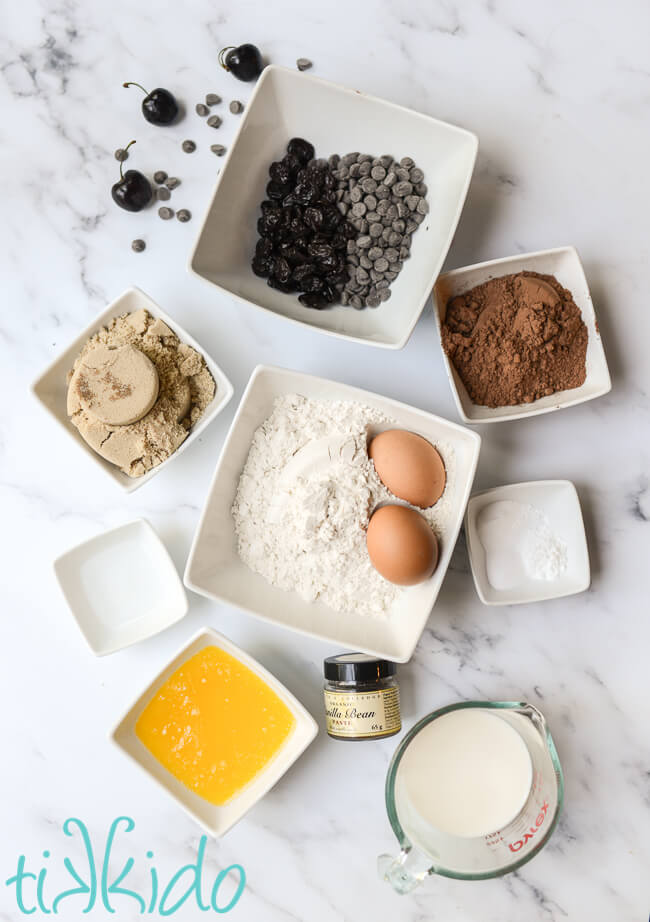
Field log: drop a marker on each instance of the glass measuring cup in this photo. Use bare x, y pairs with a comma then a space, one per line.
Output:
497, 852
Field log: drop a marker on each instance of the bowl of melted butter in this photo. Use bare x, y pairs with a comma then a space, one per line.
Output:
216, 730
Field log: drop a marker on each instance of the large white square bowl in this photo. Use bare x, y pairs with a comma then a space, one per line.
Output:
216, 820
214, 568
285, 104
51, 388
564, 263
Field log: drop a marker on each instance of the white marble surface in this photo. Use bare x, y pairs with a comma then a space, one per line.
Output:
558, 94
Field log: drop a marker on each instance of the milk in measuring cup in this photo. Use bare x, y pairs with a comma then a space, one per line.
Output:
466, 774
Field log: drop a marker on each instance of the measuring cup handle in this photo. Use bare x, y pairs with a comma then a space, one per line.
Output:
405, 872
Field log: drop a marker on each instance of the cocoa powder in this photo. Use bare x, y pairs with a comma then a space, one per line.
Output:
515, 339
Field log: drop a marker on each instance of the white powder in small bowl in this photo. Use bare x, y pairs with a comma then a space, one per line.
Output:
305, 498
519, 544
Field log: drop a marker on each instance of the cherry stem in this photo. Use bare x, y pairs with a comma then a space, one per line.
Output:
222, 53
132, 83
122, 161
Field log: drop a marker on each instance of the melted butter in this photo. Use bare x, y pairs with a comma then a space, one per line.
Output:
214, 725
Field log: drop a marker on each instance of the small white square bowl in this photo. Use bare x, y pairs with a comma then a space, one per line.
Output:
51, 387
558, 499
215, 569
216, 820
564, 263
285, 104
121, 587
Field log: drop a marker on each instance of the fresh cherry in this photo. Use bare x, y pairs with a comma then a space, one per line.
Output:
159, 106
133, 190
244, 62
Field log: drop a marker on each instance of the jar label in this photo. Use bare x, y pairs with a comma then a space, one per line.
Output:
363, 714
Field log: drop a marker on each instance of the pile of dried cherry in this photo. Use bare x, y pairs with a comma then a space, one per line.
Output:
303, 235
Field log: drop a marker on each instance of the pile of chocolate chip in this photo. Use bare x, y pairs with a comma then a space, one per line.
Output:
385, 200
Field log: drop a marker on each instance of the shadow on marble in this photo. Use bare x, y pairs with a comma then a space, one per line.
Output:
593, 541
605, 315
476, 220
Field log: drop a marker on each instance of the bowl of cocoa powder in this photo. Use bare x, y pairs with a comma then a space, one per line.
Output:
519, 336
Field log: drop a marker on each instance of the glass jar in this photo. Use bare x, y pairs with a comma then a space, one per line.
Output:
361, 697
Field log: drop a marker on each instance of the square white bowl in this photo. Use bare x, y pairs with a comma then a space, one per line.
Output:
564, 263
121, 587
216, 820
215, 569
51, 387
285, 104
559, 501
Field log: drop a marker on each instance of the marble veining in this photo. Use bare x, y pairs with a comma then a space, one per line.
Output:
558, 95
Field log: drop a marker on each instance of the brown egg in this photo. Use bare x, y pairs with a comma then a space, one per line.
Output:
409, 466
401, 545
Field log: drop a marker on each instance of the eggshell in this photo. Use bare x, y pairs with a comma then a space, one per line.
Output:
409, 466
401, 545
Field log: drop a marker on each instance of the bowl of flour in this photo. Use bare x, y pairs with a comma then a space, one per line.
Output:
282, 535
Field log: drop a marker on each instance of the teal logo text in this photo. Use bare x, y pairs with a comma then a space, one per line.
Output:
94, 886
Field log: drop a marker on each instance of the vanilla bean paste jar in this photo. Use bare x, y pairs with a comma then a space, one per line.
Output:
361, 697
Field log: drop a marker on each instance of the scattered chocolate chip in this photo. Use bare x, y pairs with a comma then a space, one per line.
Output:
212, 99
236, 107
138, 245
201, 109
218, 149
214, 121
164, 194
303, 63
166, 213
159, 177
183, 215
189, 147
172, 182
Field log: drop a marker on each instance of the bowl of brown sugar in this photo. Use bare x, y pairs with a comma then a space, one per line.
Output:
519, 336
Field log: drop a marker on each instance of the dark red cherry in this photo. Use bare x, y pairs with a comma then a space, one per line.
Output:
133, 191
244, 62
159, 106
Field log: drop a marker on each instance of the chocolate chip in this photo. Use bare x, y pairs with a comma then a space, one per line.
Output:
402, 189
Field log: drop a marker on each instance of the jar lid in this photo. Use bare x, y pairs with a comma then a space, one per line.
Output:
357, 667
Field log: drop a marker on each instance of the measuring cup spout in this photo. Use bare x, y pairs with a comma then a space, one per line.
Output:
405, 872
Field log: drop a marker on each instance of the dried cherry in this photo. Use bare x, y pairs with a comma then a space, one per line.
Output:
303, 236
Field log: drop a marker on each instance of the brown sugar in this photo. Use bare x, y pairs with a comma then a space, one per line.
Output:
515, 339
100, 409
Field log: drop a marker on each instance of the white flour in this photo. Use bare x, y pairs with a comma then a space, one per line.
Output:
305, 497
